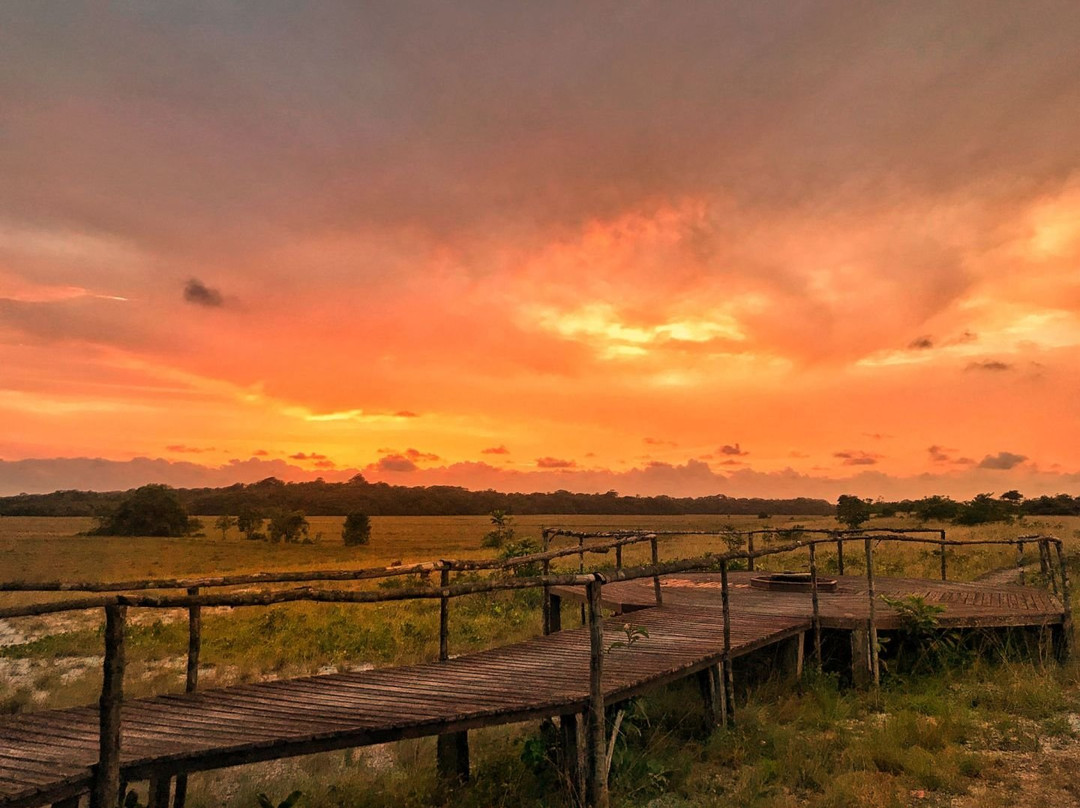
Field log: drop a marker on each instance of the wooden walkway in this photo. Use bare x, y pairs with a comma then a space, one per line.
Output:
46, 757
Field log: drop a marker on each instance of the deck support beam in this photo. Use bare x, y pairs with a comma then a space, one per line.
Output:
596, 787
160, 787
572, 751
711, 686
792, 656
861, 671
70, 802
452, 756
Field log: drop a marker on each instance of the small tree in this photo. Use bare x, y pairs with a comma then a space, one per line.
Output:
502, 531
288, 526
249, 521
224, 523
852, 511
357, 529
153, 510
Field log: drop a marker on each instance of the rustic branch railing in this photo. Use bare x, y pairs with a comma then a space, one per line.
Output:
116, 598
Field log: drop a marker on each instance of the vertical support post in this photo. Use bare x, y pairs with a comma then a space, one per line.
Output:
444, 614
875, 667
750, 550
68, 802
581, 569
839, 556
1020, 561
106, 784
618, 556
1066, 622
158, 796
814, 603
192, 683
1044, 565
729, 676
708, 683
1050, 574
545, 618
656, 578
596, 776
555, 617
572, 748
944, 568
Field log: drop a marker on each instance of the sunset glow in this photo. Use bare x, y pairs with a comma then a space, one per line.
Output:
766, 249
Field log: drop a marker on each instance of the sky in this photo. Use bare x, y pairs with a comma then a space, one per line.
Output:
770, 249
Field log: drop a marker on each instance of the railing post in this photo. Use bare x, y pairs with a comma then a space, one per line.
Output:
545, 619
596, 785
192, 682
729, 675
618, 556
656, 578
814, 603
944, 568
1066, 622
839, 556
875, 667
444, 613
106, 786
750, 550
1051, 576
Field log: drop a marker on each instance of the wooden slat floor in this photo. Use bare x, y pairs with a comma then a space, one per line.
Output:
967, 604
46, 756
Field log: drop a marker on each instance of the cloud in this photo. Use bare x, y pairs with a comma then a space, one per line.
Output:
989, 365
307, 456
1002, 461
942, 454
728, 449
921, 343
199, 294
406, 414
495, 450
182, 449
658, 442
260, 453
858, 458
394, 463
554, 463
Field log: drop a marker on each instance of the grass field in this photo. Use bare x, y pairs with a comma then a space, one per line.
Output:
959, 735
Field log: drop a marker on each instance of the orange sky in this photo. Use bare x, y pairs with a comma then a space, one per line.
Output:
755, 249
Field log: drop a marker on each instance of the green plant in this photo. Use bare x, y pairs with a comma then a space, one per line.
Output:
633, 635
502, 531
357, 529
291, 800
921, 643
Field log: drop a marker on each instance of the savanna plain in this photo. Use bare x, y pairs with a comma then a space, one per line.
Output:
1000, 728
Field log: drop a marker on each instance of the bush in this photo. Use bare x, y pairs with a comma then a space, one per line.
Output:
357, 529
153, 510
287, 526
502, 531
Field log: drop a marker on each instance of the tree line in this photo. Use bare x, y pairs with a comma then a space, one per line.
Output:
320, 498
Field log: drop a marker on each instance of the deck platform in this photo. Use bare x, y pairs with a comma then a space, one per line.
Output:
46, 757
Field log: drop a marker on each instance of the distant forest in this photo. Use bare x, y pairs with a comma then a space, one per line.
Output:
380, 499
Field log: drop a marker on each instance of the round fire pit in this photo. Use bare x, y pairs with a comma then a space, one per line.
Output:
791, 582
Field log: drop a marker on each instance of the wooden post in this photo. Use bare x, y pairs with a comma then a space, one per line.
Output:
729, 676
944, 568
158, 796
595, 775
444, 615
814, 603
192, 683
749, 549
545, 618
709, 684
1066, 622
555, 615
1051, 576
792, 655
861, 672
1044, 565
581, 569
452, 756
875, 668
68, 802
572, 748
618, 557
839, 556
656, 578
106, 785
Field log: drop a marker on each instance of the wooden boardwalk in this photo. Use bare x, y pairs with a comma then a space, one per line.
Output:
46, 757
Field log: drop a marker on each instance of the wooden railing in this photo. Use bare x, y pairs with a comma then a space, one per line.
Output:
115, 598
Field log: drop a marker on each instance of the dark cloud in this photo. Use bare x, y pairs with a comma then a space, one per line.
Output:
417, 456
260, 453
406, 414
921, 343
395, 463
1002, 461
199, 294
943, 454
495, 450
993, 366
554, 463
735, 450
307, 456
658, 442
858, 458
182, 449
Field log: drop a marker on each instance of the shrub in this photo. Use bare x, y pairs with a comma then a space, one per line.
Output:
287, 526
502, 531
357, 529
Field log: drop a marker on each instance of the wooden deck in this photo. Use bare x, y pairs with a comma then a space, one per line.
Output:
46, 757
967, 604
